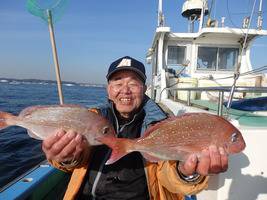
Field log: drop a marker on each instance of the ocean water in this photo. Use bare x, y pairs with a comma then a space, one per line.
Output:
19, 152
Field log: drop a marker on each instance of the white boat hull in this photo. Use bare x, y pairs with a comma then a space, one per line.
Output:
246, 178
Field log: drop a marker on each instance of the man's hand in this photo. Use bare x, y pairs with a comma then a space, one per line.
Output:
64, 146
212, 161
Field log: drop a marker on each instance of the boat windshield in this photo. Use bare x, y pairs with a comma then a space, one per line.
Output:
217, 58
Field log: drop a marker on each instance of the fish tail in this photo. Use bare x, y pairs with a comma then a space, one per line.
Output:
5, 119
120, 147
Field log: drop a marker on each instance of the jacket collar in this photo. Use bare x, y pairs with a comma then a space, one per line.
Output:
153, 113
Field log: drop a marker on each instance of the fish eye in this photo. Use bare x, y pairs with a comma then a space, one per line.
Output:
105, 130
234, 137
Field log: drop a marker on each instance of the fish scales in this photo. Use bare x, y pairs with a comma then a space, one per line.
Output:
178, 137
181, 131
42, 121
202, 128
51, 117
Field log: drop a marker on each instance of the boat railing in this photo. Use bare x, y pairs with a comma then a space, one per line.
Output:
221, 91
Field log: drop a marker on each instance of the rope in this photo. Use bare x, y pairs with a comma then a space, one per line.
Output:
237, 72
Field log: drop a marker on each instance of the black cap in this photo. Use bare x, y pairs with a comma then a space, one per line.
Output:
127, 63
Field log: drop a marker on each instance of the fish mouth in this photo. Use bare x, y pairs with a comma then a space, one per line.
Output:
242, 145
236, 148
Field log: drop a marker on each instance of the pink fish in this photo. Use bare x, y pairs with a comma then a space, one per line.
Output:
178, 137
42, 121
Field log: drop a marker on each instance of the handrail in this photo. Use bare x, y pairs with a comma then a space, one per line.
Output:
221, 91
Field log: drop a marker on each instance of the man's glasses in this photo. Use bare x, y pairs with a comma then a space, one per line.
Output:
133, 87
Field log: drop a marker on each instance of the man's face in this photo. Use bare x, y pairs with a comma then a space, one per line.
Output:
127, 91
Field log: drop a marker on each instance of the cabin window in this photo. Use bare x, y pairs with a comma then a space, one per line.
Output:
217, 58
227, 58
207, 58
176, 55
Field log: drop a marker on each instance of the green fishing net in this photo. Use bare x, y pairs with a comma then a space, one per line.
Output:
40, 8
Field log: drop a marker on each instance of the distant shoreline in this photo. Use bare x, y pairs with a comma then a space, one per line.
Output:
40, 81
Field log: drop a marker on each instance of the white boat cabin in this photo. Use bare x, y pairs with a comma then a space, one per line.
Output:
209, 57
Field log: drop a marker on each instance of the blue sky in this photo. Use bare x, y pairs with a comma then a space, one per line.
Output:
93, 33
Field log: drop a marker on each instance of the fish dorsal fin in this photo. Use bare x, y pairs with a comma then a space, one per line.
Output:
32, 109
33, 135
28, 110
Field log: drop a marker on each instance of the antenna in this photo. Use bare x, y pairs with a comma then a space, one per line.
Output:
195, 10
237, 70
160, 14
259, 22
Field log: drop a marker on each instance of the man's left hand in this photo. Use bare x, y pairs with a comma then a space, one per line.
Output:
213, 160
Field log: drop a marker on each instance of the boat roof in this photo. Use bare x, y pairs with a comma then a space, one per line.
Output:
235, 34
221, 32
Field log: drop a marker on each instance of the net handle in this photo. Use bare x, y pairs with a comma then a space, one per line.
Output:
55, 57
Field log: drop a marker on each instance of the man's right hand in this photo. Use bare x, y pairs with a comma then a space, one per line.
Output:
64, 146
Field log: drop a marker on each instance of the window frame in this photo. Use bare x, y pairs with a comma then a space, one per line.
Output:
184, 54
217, 67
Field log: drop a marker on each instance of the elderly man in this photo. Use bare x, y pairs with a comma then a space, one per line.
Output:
132, 177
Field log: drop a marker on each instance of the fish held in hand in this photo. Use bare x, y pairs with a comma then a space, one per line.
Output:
177, 137
42, 121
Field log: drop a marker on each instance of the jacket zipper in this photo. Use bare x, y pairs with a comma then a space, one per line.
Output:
118, 130
97, 178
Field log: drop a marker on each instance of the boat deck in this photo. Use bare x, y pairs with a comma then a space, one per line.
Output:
245, 118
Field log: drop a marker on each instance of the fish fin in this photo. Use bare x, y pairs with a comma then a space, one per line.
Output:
183, 153
5, 119
120, 147
33, 135
28, 111
171, 153
150, 158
